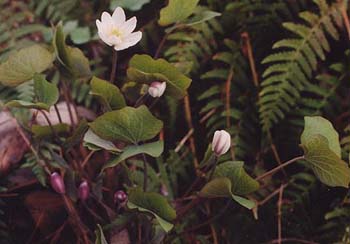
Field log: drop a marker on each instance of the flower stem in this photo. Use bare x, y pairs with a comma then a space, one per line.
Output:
145, 172
114, 66
274, 170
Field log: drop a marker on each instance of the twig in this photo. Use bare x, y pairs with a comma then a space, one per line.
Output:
274, 193
87, 159
161, 44
29, 144
58, 113
279, 214
228, 105
190, 126
145, 172
293, 240
114, 66
344, 13
249, 49
183, 140
212, 229
274, 170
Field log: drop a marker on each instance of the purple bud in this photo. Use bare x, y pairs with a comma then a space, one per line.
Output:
120, 196
84, 190
57, 183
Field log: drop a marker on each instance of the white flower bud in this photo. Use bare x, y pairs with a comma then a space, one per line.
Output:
156, 89
221, 142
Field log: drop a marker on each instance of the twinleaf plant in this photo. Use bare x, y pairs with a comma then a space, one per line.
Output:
179, 121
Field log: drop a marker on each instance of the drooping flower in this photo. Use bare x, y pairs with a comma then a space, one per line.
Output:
116, 31
84, 190
221, 142
57, 183
156, 89
120, 196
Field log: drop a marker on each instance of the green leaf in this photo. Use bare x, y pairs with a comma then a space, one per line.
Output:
152, 203
201, 17
45, 92
133, 5
144, 69
46, 95
23, 64
326, 164
109, 94
100, 237
231, 180
317, 125
153, 149
46, 131
95, 143
127, 124
80, 35
72, 60
176, 10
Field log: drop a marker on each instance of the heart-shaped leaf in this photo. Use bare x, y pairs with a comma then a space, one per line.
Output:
326, 164
317, 125
231, 180
127, 124
22, 65
72, 59
46, 95
176, 10
152, 203
109, 94
95, 143
144, 69
153, 149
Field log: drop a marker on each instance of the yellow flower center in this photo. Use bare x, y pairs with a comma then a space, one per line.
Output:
116, 32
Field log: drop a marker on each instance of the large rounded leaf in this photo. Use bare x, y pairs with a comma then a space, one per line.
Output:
231, 180
152, 203
144, 69
177, 10
326, 164
317, 125
128, 124
22, 65
109, 94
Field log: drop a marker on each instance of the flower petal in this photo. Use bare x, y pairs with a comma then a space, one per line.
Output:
106, 18
133, 38
118, 16
129, 26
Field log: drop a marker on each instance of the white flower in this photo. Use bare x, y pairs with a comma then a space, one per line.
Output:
156, 89
221, 142
116, 31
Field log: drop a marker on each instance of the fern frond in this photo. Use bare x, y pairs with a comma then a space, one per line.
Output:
290, 70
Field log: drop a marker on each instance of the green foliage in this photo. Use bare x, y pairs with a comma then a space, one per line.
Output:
291, 69
108, 93
154, 204
171, 14
127, 124
153, 149
24, 64
230, 180
144, 69
46, 95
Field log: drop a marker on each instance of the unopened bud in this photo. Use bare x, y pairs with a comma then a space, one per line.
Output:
57, 183
221, 142
156, 89
84, 191
120, 197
